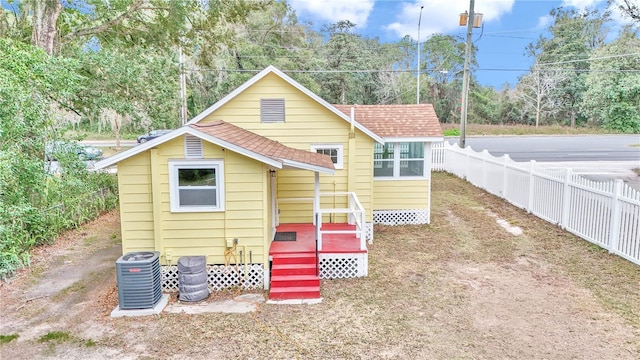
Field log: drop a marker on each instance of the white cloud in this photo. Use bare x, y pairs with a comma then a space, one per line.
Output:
441, 16
581, 4
332, 11
544, 21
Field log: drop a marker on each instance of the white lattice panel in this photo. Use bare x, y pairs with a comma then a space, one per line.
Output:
401, 217
368, 232
220, 277
342, 266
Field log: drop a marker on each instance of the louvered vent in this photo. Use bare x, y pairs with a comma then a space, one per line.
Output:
271, 110
192, 147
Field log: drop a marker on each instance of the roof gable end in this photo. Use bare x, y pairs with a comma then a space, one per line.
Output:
273, 70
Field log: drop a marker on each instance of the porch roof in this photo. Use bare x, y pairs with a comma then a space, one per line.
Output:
392, 122
263, 146
241, 141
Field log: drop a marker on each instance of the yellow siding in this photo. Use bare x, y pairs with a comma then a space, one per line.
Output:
136, 208
306, 123
199, 233
364, 172
400, 194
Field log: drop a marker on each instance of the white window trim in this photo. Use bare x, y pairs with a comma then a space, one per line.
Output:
396, 164
340, 164
175, 165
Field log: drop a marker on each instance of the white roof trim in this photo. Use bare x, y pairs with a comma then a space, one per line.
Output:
283, 76
303, 166
414, 139
214, 140
112, 160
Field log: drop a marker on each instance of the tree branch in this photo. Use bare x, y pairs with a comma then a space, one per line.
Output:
105, 26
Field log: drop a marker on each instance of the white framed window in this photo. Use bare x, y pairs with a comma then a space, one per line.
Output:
196, 186
399, 160
272, 110
334, 151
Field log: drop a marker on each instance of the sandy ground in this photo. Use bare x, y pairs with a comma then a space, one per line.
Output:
463, 287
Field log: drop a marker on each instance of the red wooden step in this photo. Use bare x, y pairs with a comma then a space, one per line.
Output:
294, 258
293, 269
298, 292
294, 281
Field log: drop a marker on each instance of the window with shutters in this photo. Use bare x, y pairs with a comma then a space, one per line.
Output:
196, 186
272, 110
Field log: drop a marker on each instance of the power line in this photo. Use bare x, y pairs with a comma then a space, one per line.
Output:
412, 71
590, 59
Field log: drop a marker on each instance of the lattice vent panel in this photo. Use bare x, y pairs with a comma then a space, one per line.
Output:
220, 277
400, 217
368, 232
342, 266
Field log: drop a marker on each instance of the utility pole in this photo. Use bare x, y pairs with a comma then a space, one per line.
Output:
183, 89
465, 78
418, 77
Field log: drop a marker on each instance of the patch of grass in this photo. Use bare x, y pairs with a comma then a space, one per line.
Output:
487, 129
55, 336
89, 343
451, 132
8, 338
637, 171
90, 240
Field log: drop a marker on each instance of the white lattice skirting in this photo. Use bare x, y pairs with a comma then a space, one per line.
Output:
220, 277
368, 232
401, 217
341, 266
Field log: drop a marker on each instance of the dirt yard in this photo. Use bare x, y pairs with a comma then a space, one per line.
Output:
463, 287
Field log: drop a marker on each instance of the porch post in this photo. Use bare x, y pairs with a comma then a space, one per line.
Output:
317, 220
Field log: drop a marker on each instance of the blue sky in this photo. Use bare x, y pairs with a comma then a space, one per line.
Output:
509, 25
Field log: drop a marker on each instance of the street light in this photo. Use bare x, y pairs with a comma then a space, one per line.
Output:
418, 82
471, 22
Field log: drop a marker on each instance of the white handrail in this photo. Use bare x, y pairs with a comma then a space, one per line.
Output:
355, 214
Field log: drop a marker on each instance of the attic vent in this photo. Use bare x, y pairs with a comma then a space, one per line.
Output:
192, 147
271, 110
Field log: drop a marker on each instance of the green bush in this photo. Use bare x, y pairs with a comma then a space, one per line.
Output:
451, 132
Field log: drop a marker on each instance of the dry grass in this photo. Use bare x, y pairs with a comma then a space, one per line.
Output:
486, 129
461, 287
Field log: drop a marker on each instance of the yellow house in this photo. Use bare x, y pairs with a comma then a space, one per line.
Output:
276, 187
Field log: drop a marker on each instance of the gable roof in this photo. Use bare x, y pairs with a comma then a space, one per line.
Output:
416, 121
238, 140
249, 141
273, 70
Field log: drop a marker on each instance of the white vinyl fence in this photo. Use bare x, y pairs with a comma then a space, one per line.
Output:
604, 213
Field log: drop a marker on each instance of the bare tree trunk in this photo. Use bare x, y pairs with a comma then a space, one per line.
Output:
573, 119
45, 17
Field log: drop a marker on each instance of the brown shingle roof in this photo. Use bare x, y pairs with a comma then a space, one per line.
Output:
417, 120
261, 145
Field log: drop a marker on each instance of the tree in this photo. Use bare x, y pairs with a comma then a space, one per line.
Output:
574, 35
443, 63
630, 9
31, 82
131, 87
612, 98
536, 89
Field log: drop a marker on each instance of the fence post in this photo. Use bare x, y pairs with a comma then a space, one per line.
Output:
505, 176
485, 153
466, 163
530, 202
566, 198
614, 231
